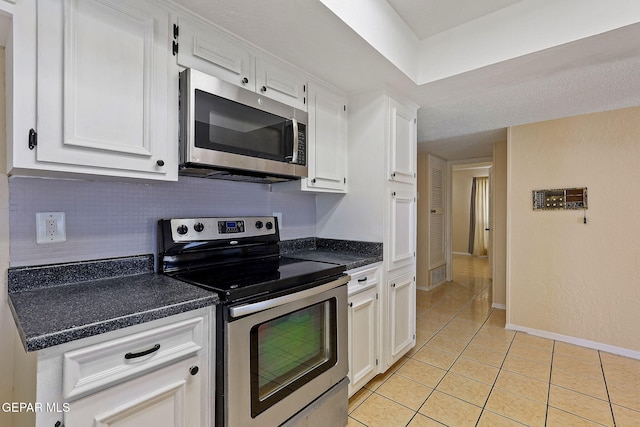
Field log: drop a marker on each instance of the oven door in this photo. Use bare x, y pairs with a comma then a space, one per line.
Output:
282, 354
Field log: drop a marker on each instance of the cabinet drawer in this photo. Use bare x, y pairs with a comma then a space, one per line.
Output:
95, 367
363, 279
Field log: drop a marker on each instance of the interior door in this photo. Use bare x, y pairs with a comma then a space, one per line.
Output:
437, 212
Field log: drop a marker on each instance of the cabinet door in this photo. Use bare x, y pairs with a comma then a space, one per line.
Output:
209, 50
170, 396
403, 143
327, 141
402, 317
107, 98
363, 338
279, 82
402, 239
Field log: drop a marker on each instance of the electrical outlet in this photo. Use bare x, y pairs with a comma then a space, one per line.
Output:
50, 227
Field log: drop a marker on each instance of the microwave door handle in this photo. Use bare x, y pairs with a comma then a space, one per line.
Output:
296, 140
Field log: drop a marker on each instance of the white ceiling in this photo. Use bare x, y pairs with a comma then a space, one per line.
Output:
429, 17
461, 115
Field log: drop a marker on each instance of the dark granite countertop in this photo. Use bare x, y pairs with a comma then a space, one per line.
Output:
350, 253
49, 310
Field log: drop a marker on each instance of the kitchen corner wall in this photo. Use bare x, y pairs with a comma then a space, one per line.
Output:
113, 219
7, 329
564, 277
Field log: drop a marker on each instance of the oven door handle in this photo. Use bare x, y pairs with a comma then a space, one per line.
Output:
243, 310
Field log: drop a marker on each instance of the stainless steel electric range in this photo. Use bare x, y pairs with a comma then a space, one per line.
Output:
281, 329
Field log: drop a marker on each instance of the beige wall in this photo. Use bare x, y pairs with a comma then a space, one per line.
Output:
6, 320
499, 224
461, 182
565, 277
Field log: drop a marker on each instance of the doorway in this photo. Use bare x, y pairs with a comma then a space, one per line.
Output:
470, 216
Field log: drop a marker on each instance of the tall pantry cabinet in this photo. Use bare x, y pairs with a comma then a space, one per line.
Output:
380, 206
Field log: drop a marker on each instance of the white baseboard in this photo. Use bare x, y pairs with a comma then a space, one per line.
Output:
577, 341
499, 306
461, 253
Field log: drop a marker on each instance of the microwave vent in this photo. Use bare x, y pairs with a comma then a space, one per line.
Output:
231, 175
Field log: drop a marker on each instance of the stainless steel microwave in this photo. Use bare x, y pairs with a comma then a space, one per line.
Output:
229, 132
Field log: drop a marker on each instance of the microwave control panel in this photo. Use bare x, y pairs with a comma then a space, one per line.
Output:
562, 198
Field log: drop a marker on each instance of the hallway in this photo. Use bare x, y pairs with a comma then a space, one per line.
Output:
467, 370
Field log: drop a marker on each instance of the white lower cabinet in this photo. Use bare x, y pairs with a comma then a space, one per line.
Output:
159, 376
363, 338
157, 373
401, 325
364, 327
170, 396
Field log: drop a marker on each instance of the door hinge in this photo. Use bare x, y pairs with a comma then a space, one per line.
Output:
33, 139
376, 296
345, 180
376, 362
345, 107
175, 46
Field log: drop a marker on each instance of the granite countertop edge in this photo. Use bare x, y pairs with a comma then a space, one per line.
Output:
352, 254
63, 336
32, 280
44, 317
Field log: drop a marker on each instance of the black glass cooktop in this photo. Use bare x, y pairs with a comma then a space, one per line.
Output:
261, 277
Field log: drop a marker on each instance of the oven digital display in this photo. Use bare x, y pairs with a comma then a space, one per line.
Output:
227, 227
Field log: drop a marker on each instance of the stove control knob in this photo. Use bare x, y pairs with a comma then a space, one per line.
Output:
269, 225
198, 226
259, 225
182, 229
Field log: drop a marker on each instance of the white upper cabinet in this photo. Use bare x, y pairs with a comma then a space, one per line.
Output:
107, 89
275, 80
327, 141
213, 51
402, 143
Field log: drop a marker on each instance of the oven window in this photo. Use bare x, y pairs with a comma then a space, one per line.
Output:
289, 351
225, 125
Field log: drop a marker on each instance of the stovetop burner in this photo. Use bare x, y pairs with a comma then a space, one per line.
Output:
236, 257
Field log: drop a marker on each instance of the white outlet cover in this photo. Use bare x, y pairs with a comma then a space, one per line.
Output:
57, 233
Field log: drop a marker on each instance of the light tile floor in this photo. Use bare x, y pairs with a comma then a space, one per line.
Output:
467, 370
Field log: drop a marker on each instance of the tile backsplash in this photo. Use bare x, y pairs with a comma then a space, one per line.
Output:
114, 219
